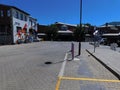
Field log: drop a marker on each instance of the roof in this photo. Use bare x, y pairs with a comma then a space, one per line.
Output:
113, 27
107, 26
68, 31
33, 18
15, 8
111, 34
115, 23
66, 24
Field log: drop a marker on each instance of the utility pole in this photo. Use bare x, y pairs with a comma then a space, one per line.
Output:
79, 49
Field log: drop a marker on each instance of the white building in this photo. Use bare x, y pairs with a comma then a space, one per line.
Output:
20, 21
16, 21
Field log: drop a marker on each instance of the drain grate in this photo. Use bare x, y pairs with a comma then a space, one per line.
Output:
48, 62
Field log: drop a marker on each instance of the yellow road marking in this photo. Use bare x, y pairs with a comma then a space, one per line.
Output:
89, 79
58, 83
83, 79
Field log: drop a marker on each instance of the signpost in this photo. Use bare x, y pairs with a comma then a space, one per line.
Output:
79, 48
97, 39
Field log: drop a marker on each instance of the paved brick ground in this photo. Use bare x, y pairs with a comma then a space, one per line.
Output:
87, 67
22, 68
108, 57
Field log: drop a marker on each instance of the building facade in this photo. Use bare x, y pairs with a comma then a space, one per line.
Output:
32, 25
65, 32
14, 25
6, 32
64, 26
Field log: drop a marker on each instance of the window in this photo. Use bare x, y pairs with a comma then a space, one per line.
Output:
64, 27
21, 16
8, 13
2, 29
31, 22
18, 29
25, 17
17, 15
1, 13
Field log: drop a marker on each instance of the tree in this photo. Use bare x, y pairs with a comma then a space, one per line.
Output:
79, 34
52, 32
90, 29
88, 24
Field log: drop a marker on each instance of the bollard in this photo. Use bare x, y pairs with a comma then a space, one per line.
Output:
94, 46
72, 50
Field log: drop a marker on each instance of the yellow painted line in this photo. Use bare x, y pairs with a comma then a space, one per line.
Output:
89, 79
58, 83
83, 79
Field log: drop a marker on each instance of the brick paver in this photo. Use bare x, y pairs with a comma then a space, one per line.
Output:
22, 66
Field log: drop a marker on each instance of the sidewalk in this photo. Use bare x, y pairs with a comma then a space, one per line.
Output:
88, 74
109, 58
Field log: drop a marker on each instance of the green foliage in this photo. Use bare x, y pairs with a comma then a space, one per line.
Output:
79, 34
51, 32
88, 24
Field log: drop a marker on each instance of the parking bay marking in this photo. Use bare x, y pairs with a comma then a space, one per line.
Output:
61, 73
83, 79
89, 79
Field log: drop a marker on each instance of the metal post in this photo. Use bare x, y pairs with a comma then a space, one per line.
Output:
94, 46
79, 48
79, 52
72, 50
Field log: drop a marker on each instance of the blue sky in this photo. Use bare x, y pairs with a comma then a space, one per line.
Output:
98, 12
95, 12
49, 11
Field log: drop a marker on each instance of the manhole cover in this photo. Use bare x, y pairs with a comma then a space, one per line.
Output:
48, 62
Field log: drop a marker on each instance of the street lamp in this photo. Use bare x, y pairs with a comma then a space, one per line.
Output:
79, 49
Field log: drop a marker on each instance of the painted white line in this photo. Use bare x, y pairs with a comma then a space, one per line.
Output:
76, 59
61, 73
